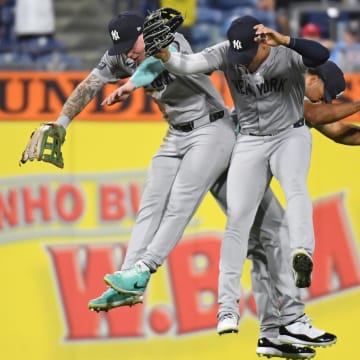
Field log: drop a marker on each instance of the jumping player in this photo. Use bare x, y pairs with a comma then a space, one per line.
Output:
292, 320
266, 80
181, 164
323, 84
106, 302
109, 69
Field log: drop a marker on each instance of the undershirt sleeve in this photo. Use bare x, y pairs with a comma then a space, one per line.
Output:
149, 70
186, 64
312, 52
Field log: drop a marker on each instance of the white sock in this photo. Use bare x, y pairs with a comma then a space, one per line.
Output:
142, 266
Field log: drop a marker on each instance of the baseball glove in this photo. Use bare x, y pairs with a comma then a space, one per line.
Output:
45, 145
159, 27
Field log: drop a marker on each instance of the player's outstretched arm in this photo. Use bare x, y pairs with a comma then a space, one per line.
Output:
79, 98
341, 132
185, 64
144, 75
322, 113
45, 142
120, 94
158, 36
163, 54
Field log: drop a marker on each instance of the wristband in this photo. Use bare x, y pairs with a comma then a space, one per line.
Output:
63, 120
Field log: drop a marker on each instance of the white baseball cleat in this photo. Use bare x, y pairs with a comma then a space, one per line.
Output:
228, 323
301, 332
272, 347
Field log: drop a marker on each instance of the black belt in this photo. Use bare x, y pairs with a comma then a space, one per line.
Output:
299, 123
191, 125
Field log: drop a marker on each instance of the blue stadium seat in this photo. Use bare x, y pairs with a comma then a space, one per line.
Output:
40, 45
10, 3
16, 61
203, 3
7, 37
201, 36
57, 61
207, 27
231, 4
208, 15
8, 42
35, 52
268, 18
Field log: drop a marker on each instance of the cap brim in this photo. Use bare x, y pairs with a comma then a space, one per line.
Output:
121, 48
327, 97
242, 57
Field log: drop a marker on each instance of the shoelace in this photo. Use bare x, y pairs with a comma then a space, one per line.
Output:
227, 316
305, 320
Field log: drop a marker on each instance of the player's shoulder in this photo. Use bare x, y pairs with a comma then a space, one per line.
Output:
217, 54
116, 66
280, 51
216, 50
285, 57
181, 43
117, 60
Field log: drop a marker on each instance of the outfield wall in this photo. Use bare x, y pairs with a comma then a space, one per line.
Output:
62, 230
40, 95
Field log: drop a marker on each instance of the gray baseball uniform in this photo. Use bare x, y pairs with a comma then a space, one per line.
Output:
164, 187
272, 141
195, 152
277, 299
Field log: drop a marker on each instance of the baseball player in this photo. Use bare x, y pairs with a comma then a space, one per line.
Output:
114, 66
266, 80
292, 310
141, 276
165, 227
323, 84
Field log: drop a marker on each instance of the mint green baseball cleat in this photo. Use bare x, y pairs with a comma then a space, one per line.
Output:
111, 299
132, 281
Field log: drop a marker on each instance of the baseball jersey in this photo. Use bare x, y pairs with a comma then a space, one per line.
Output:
266, 101
180, 98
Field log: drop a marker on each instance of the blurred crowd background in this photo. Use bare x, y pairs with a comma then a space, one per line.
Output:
62, 35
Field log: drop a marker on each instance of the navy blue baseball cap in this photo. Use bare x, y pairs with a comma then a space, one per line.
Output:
241, 35
333, 78
124, 30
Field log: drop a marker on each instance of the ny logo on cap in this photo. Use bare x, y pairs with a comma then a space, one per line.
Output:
115, 35
237, 44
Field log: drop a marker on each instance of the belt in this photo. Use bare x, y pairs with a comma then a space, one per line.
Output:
191, 125
299, 123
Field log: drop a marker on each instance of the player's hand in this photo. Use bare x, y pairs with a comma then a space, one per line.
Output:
120, 94
270, 36
163, 54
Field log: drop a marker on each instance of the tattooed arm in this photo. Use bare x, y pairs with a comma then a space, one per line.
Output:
79, 98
